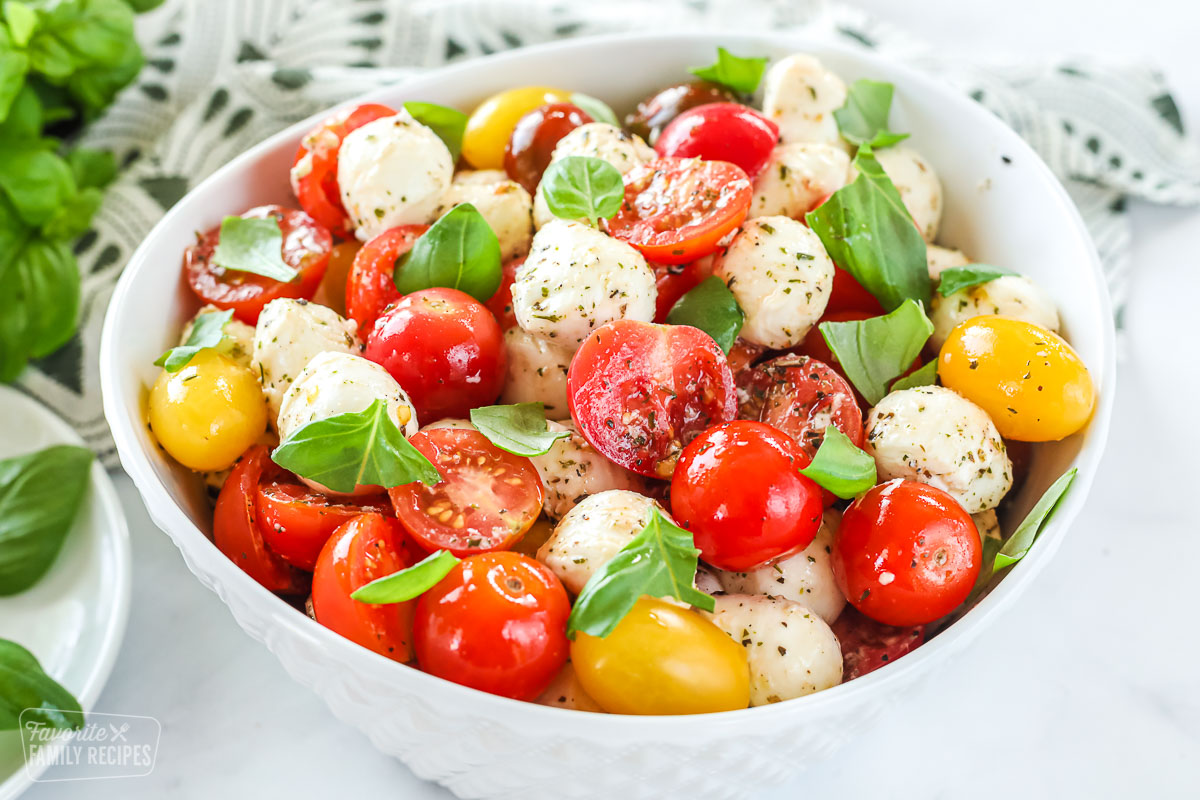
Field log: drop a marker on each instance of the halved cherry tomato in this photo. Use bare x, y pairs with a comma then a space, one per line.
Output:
677, 210
868, 645
653, 113
314, 170
306, 248
676, 280
847, 294
486, 500
497, 622
801, 396
364, 548
534, 137
501, 303
639, 392
371, 286
296, 521
721, 132
235, 526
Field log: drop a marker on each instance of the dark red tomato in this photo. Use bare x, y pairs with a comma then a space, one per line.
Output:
801, 396
676, 280
868, 645
235, 526
1020, 454
314, 171
534, 137
364, 548
721, 132
445, 348
371, 285
497, 623
677, 210
487, 498
306, 248
848, 294
639, 392
739, 491
906, 553
501, 303
296, 521
653, 113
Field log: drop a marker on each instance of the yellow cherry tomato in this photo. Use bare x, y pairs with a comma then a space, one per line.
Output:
535, 537
1028, 379
208, 413
332, 291
491, 124
663, 659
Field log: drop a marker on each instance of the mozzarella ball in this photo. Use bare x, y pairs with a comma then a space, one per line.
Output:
806, 577
392, 171
933, 435
537, 372
988, 524
593, 532
940, 259
620, 148
541, 211
565, 691
503, 203
289, 334
797, 178
792, 652
917, 184
781, 276
572, 470
707, 581
237, 340
577, 279
1013, 296
800, 96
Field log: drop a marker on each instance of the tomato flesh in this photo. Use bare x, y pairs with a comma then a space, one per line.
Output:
868, 645
847, 294
296, 521
721, 132
371, 285
801, 396
674, 281
501, 303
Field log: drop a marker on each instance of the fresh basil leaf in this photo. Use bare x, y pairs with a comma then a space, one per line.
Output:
75, 33
407, 584
864, 117
868, 232
14, 65
925, 376
25, 115
207, 331
874, 351
661, 561
253, 245
742, 75
1017, 545
581, 187
24, 687
841, 467
448, 123
359, 448
459, 251
36, 179
955, 279
991, 548
596, 108
520, 429
95, 87
39, 295
22, 21
92, 168
40, 494
712, 308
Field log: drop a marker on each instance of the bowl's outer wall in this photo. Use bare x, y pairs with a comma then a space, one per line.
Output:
1014, 214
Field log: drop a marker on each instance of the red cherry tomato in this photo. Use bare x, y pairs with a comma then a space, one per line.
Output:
653, 113
364, 548
721, 132
533, 139
296, 521
677, 210
639, 392
486, 500
868, 645
497, 623
676, 280
306, 249
848, 294
906, 553
445, 348
236, 532
371, 285
501, 303
801, 396
315, 182
739, 491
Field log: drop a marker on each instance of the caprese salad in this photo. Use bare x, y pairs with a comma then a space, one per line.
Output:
680, 413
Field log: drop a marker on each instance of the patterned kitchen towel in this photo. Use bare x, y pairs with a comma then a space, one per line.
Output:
223, 74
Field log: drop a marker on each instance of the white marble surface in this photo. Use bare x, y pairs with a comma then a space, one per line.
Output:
1088, 688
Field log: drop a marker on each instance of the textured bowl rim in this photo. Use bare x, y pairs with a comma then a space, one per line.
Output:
549, 720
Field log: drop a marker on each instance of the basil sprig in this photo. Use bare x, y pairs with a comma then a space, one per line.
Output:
25, 687
207, 332
520, 428
448, 123
459, 251
40, 494
596, 108
253, 245
955, 279
864, 117
409, 583
872, 352
868, 232
841, 467
925, 376
1017, 545
742, 75
359, 448
661, 561
712, 308
581, 187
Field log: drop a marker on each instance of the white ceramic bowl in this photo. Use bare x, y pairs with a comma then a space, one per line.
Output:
479, 745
